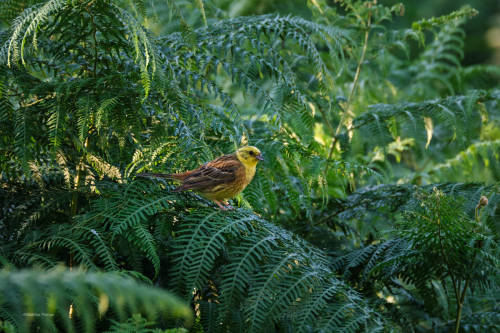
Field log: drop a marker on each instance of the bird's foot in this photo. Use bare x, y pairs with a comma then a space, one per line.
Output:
220, 205
228, 206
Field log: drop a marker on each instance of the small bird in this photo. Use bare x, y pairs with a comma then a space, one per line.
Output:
220, 179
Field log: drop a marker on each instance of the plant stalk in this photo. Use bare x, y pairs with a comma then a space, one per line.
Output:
354, 86
94, 37
460, 302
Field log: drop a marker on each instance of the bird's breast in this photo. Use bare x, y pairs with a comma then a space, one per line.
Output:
249, 173
243, 177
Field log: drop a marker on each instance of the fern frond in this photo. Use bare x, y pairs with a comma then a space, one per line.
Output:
479, 162
456, 113
458, 15
44, 298
244, 260
439, 62
131, 208
56, 123
28, 23
480, 76
100, 246
196, 251
145, 241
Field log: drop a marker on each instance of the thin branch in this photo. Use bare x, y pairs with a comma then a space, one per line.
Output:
38, 101
94, 32
325, 118
353, 89
464, 291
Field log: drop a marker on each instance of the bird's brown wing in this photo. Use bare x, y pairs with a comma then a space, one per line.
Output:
220, 171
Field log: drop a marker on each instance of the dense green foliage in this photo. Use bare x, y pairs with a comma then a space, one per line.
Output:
377, 208
48, 296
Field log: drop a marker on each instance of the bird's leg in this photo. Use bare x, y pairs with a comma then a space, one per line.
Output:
228, 206
220, 206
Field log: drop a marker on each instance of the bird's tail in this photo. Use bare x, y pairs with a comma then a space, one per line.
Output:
175, 176
156, 175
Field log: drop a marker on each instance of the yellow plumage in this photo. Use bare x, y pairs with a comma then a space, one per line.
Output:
220, 179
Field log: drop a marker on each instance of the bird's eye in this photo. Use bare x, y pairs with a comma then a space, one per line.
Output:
251, 153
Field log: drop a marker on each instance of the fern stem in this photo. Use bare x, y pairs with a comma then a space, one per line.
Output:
354, 86
462, 296
94, 32
202, 10
74, 210
460, 305
325, 119
74, 199
40, 100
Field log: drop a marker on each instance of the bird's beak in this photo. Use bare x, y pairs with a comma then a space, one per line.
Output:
259, 157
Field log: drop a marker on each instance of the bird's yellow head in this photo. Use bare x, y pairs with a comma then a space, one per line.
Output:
249, 156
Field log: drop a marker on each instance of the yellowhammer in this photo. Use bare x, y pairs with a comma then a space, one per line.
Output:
220, 179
